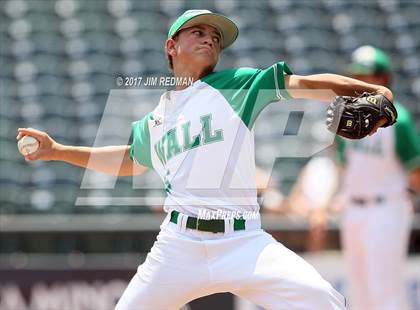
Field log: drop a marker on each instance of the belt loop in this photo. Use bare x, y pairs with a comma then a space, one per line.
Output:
184, 222
228, 226
180, 222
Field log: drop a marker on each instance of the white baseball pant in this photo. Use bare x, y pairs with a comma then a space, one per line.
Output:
186, 264
375, 239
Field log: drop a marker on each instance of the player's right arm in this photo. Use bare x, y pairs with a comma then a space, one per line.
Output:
113, 160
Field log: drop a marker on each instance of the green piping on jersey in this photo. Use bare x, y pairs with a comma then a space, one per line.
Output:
167, 183
340, 145
248, 91
140, 148
407, 139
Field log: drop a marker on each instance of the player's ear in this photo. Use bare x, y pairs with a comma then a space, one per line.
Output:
170, 47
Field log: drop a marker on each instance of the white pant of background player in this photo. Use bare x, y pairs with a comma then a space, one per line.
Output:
186, 264
375, 239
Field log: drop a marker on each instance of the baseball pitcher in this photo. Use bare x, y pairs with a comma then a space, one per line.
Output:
199, 140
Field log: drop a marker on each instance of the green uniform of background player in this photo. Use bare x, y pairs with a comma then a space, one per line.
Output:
377, 172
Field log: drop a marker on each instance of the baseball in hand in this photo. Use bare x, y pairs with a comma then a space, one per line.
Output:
28, 145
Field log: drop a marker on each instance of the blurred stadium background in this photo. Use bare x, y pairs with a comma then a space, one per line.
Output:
60, 59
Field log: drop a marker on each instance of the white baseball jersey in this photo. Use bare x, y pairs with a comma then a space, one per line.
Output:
200, 139
200, 142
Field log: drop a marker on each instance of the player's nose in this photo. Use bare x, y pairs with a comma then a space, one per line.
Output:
207, 40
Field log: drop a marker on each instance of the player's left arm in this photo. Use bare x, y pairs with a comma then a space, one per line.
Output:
329, 86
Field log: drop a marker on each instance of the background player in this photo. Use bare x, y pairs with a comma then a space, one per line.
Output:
376, 222
312, 199
194, 130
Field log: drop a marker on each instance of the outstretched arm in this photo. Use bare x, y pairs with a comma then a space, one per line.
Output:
331, 85
301, 87
113, 160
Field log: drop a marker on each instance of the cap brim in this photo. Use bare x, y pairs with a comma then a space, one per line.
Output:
227, 28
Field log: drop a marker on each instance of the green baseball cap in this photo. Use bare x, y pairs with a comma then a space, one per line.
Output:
369, 60
227, 28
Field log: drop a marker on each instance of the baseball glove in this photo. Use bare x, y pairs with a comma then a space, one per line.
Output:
355, 117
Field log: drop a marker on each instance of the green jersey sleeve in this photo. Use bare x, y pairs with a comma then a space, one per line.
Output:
340, 145
140, 147
407, 139
250, 90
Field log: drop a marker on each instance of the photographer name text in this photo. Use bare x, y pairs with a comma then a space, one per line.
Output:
153, 81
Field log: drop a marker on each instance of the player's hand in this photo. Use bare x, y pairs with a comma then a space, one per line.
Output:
387, 93
47, 145
357, 117
390, 96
